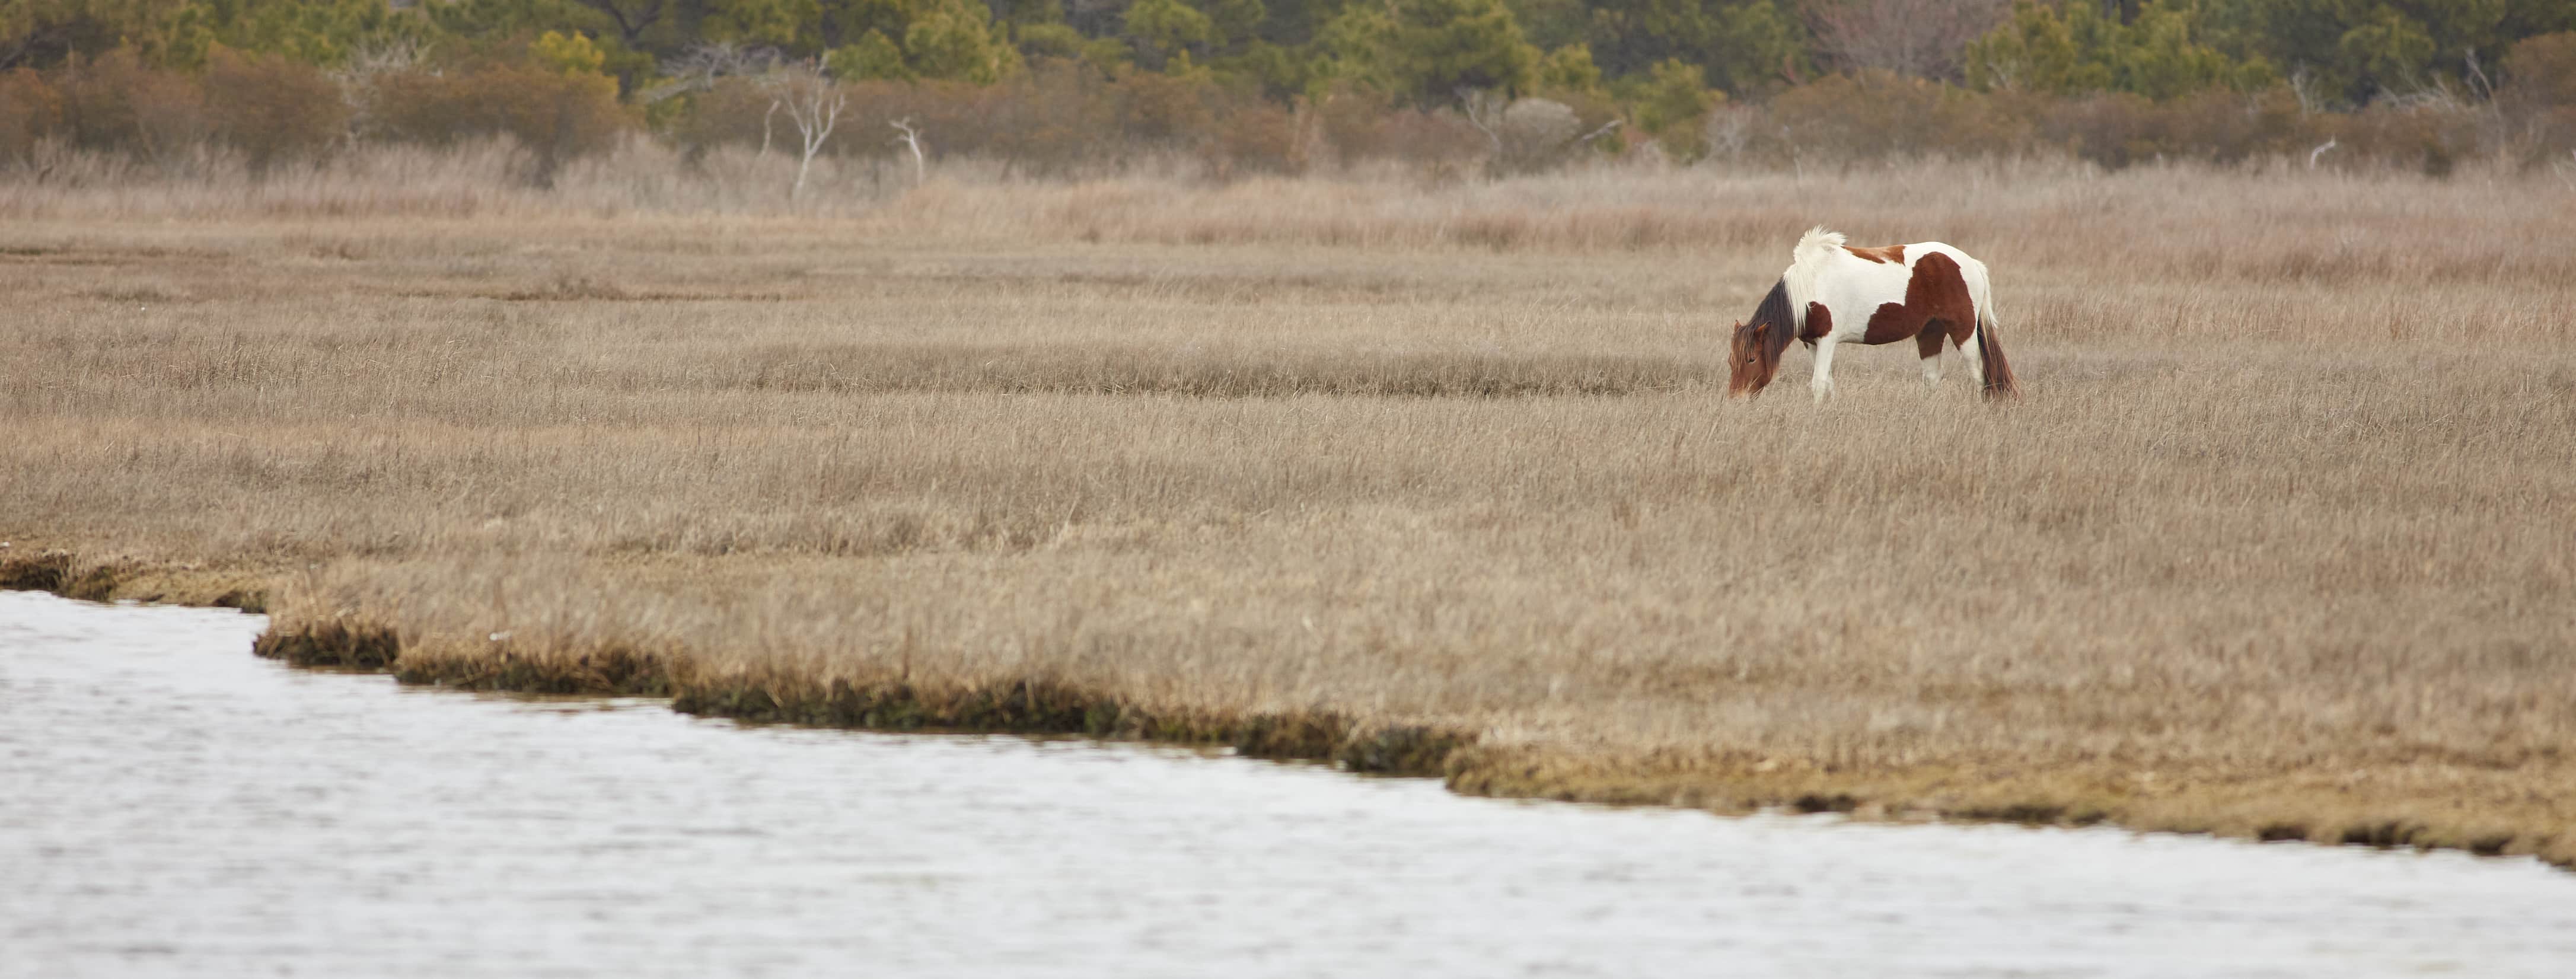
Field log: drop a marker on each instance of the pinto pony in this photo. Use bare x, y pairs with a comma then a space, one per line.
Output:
1835, 294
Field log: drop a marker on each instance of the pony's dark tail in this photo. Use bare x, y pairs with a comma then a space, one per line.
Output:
1998, 371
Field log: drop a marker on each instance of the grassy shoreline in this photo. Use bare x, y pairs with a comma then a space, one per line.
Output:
2269, 807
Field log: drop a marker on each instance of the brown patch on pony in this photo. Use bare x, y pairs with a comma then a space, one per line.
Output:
1883, 254
1927, 344
1936, 294
1820, 321
1753, 353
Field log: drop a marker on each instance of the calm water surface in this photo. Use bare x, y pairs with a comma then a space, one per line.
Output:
171, 805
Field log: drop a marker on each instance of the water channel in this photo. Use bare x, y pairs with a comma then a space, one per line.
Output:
172, 805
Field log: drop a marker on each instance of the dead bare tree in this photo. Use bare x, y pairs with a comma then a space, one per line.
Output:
1923, 38
814, 101
368, 67
1484, 109
911, 137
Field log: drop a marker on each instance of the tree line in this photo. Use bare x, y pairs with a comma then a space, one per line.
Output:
1280, 84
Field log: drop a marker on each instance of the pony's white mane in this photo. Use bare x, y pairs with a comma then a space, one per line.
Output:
1804, 262
1816, 244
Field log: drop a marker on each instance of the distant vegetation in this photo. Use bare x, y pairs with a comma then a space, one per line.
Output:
1050, 87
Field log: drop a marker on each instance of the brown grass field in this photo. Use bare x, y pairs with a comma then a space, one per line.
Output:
1429, 477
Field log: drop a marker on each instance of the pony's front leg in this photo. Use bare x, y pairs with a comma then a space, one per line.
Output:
1823, 383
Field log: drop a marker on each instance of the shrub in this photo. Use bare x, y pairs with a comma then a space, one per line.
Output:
2426, 139
117, 103
1361, 125
272, 109
2540, 72
1673, 106
734, 111
1876, 114
2540, 94
31, 112
1255, 138
555, 116
1165, 110
1048, 121
1534, 135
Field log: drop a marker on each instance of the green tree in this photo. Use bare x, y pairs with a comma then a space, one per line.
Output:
1234, 22
872, 56
2157, 56
1427, 51
2356, 50
1673, 106
1568, 69
2034, 51
809, 27
2386, 49
1029, 13
1278, 70
42, 33
2074, 49
567, 52
1164, 29
954, 40
1049, 41
790, 24
324, 32
1745, 44
1757, 45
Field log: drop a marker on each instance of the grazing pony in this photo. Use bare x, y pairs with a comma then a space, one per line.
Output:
1835, 294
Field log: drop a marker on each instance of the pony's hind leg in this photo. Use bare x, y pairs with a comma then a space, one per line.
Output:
1973, 350
1927, 344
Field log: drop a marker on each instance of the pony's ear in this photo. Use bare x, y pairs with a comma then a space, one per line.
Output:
1761, 328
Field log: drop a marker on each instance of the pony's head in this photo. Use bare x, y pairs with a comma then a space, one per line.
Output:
1753, 355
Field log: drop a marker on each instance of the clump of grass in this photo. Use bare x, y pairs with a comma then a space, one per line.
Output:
64, 573
1042, 706
45, 571
333, 643
606, 671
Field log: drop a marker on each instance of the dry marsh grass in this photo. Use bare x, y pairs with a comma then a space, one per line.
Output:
2280, 543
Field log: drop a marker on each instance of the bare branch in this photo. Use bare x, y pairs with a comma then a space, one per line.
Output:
698, 70
1484, 109
2485, 88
